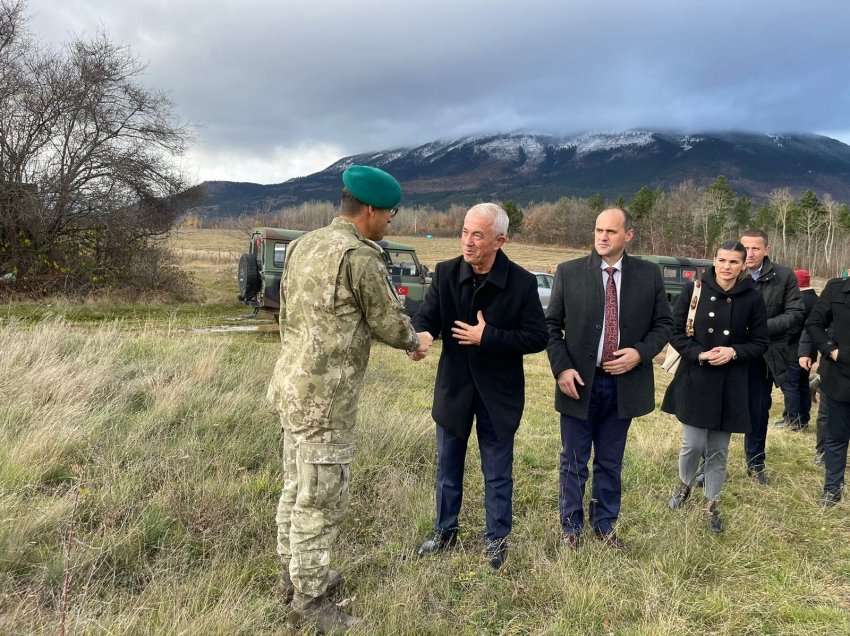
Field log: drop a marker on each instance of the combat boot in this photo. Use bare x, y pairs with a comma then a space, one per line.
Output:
335, 582
322, 613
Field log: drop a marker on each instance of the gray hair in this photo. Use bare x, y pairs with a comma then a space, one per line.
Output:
495, 213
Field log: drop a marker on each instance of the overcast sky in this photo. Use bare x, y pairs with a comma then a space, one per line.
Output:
276, 89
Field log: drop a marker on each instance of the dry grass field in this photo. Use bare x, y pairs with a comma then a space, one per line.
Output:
218, 245
139, 471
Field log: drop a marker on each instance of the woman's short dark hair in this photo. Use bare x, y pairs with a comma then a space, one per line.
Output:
732, 245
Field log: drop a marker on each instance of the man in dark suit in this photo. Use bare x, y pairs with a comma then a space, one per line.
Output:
487, 311
785, 317
608, 317
829, 328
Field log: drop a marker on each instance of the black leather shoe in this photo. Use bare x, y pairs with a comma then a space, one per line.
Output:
610, 539
438, 543
679, 497
829, 498
759, 474
496, 551
571, 540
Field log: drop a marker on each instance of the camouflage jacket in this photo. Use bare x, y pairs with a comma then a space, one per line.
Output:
335, 295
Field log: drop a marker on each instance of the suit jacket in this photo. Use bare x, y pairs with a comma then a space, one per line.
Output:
575, 323
829, 328
508, 298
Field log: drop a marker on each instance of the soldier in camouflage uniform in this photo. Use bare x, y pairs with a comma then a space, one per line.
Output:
335, 296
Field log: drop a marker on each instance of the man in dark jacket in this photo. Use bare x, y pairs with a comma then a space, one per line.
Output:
487, 311
808, 355
778, 287
829, 327
608, 317
795, 389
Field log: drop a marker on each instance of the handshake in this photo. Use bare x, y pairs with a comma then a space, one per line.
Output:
425, 342
466, 335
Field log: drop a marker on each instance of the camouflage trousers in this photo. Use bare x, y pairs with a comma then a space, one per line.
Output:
316, 475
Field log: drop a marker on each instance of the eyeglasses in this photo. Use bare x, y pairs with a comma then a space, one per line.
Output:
392, 211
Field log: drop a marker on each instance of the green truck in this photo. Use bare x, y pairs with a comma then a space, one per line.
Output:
676, 272
261, 266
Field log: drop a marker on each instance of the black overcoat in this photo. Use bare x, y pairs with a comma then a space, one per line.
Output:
716, 397
574, 319
511, 307
829, 328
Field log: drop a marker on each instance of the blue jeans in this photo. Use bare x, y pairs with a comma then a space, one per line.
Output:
798, 399
606, 434
497, 457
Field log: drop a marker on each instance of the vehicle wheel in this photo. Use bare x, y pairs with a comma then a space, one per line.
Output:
249, 277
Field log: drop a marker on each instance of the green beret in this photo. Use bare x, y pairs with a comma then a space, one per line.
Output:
372, 186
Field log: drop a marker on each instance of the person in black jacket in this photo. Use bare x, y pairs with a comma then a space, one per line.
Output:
795, 389
829, 328
608, 317
808, 355
778, 287
487, 310
709, 392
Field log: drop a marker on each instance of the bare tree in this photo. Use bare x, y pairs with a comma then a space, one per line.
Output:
782, 203
94, 146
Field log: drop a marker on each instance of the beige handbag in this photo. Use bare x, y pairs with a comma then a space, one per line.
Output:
672, 358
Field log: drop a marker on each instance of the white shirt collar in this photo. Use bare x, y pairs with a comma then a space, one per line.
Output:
617, 266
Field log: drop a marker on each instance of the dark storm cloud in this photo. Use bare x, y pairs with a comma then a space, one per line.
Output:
266, 79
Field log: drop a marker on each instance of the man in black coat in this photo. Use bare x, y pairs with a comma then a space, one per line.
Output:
829, 328
487, 311
608, 317
785, 317
795, 389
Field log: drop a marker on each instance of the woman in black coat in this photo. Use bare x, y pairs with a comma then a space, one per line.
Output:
709, 392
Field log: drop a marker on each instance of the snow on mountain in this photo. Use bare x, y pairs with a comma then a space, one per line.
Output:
587, 143
687, 142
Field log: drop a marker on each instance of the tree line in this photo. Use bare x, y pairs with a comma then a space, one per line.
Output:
685, 220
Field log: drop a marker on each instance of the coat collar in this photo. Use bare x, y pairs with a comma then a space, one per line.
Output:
740, 287
596, 260
845, 287
767, 270
498, 274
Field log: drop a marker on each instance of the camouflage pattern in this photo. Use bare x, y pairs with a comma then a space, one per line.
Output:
335, 297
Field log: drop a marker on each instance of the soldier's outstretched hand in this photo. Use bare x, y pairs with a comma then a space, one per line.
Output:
425, 342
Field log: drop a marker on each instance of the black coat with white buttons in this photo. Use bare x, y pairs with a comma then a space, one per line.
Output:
716, 397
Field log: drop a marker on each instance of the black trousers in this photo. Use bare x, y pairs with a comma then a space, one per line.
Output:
836, 439
497, 457
761, 385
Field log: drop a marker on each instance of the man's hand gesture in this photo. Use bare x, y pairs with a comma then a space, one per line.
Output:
568, 381
469, 334
624, 361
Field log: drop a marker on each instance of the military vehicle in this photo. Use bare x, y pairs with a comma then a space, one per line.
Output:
261, 266
676, 272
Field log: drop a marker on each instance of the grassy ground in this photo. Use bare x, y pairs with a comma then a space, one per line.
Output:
139, 474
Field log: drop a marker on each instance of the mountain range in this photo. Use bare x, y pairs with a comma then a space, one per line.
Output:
528, 167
